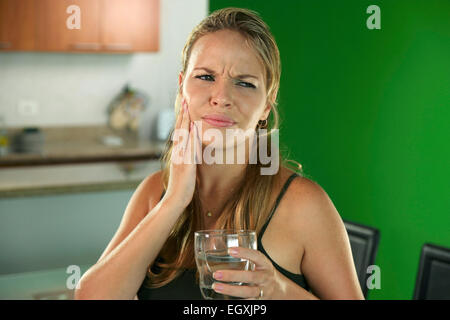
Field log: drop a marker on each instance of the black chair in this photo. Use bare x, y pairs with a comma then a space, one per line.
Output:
364, 243
433, 276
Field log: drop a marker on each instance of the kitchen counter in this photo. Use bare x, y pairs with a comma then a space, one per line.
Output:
60, 179
65, 145
76, 160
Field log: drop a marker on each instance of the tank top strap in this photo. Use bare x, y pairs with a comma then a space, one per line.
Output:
277, 202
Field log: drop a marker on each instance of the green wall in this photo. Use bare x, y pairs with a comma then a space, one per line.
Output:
366, 112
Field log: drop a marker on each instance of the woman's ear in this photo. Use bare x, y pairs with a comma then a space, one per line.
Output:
180, 81
266, 112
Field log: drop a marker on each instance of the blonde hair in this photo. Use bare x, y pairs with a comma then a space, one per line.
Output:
248, 207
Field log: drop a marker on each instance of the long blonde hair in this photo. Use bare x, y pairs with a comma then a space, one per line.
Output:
248, 207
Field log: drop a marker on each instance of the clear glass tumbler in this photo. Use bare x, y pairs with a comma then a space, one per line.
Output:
211, 254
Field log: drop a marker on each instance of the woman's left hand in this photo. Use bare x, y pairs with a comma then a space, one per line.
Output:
264, 283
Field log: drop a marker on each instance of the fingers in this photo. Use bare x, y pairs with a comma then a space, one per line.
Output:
181, 134
252, 281
180, 115
237, 291
192, 145
199, 152
187, 145
253, 277
260, 260
193, 148
186, 119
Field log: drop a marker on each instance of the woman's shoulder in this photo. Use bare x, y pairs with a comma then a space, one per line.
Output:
297, 185
308, 206
303, 194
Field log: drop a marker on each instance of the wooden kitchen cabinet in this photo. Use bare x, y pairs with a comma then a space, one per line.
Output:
106, 26
17, 25
130, 25
52, 33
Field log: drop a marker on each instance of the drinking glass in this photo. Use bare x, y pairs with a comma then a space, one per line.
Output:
211, 254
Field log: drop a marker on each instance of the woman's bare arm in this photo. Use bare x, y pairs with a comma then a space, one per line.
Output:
121, 269
327, 262
145, 198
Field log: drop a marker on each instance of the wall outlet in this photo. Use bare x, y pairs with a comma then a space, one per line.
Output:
28, 108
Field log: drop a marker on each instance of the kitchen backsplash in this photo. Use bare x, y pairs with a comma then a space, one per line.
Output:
75, 89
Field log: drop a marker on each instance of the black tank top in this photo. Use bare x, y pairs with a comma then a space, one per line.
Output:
185, 286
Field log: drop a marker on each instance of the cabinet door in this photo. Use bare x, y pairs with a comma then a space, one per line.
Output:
53, 33
16, 25
129, 25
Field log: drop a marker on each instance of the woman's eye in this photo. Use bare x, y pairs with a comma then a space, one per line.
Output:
247, 84
204, 75
241, 83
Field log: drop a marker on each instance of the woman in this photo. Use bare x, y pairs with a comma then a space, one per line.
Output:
229, 81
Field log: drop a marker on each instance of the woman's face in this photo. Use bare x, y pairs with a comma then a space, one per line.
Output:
225, 77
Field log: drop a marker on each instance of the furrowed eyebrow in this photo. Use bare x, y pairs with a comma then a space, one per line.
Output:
240, 76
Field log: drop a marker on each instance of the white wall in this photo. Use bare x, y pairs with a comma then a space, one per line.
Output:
75, 89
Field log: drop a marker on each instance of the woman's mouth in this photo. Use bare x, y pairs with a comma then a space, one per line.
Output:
219, 120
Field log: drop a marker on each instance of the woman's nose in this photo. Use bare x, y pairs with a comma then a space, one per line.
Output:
221, 93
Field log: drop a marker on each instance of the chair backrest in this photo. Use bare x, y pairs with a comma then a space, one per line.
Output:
364, 243
433, 276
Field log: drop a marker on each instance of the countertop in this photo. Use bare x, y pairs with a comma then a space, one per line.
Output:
74, 159
65, 145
